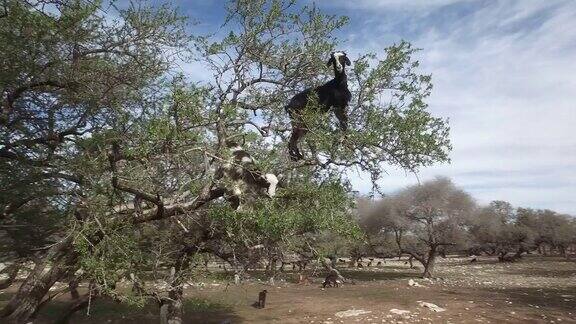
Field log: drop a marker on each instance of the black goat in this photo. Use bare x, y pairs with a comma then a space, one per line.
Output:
333, 279
244, 175
334, 93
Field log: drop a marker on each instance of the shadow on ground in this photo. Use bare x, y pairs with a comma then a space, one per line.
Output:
368, 275
105, 310
546, 273
563, 300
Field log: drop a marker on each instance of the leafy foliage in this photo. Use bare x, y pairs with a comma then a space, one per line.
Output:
106, 143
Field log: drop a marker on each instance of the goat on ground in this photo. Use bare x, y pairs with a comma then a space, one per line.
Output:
334, 93
261, 303
334, 279
245, 177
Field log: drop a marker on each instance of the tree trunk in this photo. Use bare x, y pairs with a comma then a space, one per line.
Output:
333, 271
57, 264
73, 286
333, 261
171, 308
326, 265
518, 253
563, 251
502, 256
353, 261
430, 263
12, 271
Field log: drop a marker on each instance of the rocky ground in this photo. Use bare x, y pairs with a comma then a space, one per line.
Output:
534, 290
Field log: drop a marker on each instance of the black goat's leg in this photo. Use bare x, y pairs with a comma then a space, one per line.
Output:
234, 201
293, 150
292, 145
340, 113
312, 147
233, 198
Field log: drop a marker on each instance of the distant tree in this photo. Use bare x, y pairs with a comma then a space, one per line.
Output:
424, 219
496, 230
549, 228
435, 214
381, 225
332, 246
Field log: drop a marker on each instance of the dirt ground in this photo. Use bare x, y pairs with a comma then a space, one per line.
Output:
534, 290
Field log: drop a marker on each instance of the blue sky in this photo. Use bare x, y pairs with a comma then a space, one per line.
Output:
503, 72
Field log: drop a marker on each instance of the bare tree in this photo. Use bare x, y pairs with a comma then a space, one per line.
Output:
496, 231
549, 229
425, 219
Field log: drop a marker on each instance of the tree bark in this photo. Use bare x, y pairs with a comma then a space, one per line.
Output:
563, 251
333, 260
430, 264
57, 264
12, 271
73, 286
171, 308
334, 271
353, 261
518, 253
502, 256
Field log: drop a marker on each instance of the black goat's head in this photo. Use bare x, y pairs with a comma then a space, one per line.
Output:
338, 60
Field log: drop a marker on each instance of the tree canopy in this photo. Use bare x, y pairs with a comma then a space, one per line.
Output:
108, 152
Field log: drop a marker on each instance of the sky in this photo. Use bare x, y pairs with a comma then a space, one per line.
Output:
503, 73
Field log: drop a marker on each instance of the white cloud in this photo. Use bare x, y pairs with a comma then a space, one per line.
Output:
503, 73
394, 4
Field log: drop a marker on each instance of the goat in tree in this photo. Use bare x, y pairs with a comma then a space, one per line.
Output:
334, 93
242, 171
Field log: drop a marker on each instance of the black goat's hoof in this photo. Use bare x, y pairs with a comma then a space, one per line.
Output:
296, 156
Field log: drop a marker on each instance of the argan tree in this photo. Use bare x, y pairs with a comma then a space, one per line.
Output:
101, 133
73, 79
425, 220
549, 229
496, 231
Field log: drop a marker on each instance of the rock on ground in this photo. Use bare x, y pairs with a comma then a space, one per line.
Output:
399, 311
431, 306
352, 312
413, 283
